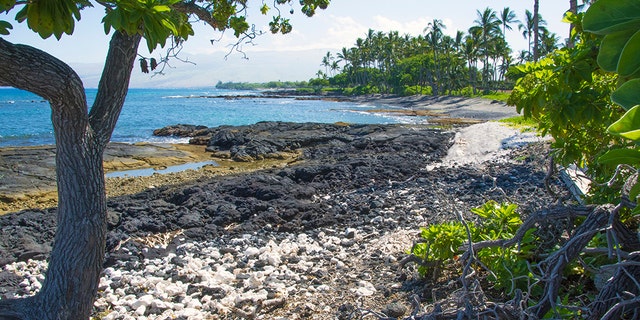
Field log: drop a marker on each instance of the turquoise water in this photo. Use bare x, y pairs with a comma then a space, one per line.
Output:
25, 118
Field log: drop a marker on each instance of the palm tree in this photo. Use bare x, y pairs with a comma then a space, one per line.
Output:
434, 37
326, 61
573, 8
536, 28
507, 17
470, 54
334, 67
526, 27
530, 33
488, 27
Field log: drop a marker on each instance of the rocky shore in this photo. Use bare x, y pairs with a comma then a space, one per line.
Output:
316, 234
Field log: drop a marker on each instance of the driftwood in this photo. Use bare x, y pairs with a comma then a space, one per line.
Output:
620, 296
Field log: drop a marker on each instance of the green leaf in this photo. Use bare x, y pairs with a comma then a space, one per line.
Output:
239, 25
6, 5
611, 49
620, 156
264, 9
5, 27
629, 60
628, 126
161, 8
628, 94
607, 16
584, 70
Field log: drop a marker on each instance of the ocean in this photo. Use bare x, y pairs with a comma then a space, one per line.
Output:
25, 118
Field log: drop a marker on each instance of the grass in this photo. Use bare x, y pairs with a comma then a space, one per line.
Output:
519, 122
500, 96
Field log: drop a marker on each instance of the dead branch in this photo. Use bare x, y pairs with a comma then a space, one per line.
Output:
553, 266
610, 302
550, 214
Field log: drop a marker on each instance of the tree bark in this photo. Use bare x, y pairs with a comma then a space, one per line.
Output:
536, 27
76, 258
573, 8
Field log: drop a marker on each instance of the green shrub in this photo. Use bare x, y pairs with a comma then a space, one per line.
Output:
413, 90
508, 267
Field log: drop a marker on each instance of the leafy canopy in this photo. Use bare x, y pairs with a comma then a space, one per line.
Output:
155, 20
619, 22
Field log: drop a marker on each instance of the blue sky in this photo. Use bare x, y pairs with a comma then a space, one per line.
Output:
295, 56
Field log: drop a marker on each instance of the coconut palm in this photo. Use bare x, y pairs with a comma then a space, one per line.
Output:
487, 26
526, 27
507, 17
536, 29
434, 37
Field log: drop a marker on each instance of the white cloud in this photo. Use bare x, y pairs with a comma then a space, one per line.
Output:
413, 27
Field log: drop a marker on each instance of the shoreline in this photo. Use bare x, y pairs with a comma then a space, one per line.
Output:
28, 173
352, 207
34, 186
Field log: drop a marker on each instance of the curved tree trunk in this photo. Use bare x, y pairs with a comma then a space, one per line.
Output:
76, 259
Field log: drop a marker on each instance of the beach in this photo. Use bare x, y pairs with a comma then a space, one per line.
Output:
297, 221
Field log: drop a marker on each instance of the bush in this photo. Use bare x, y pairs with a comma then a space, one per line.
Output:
508, 267
413, 90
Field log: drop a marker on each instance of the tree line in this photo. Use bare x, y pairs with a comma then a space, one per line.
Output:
436, 63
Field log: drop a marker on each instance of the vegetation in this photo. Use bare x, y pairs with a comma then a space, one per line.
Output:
443, 243
82, 134
586, 97
520, 122
258, 86
435, 63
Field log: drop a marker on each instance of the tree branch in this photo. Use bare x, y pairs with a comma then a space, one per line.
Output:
555, 264
191, 8
27, 68
113, 85
552, 213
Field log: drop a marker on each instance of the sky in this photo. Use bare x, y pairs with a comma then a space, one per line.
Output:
292, 57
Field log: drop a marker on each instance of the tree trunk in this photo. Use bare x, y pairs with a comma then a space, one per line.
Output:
536, 27
76, 259
573, 7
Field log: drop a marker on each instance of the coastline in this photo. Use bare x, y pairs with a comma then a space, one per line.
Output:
29, 178
28, 173
277, 237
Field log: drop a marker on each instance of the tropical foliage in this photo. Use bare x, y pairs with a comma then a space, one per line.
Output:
433, 63
568, 94
619, 54
587, 98
507, 266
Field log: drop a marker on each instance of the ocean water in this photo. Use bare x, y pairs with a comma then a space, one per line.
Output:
25, 118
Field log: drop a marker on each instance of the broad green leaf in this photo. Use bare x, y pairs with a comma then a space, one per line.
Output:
628, 126
161, 8
584, 70
5, 27
607, 16
6, 5
620, 156
628, 94
170, 26
611, 49
629, 58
